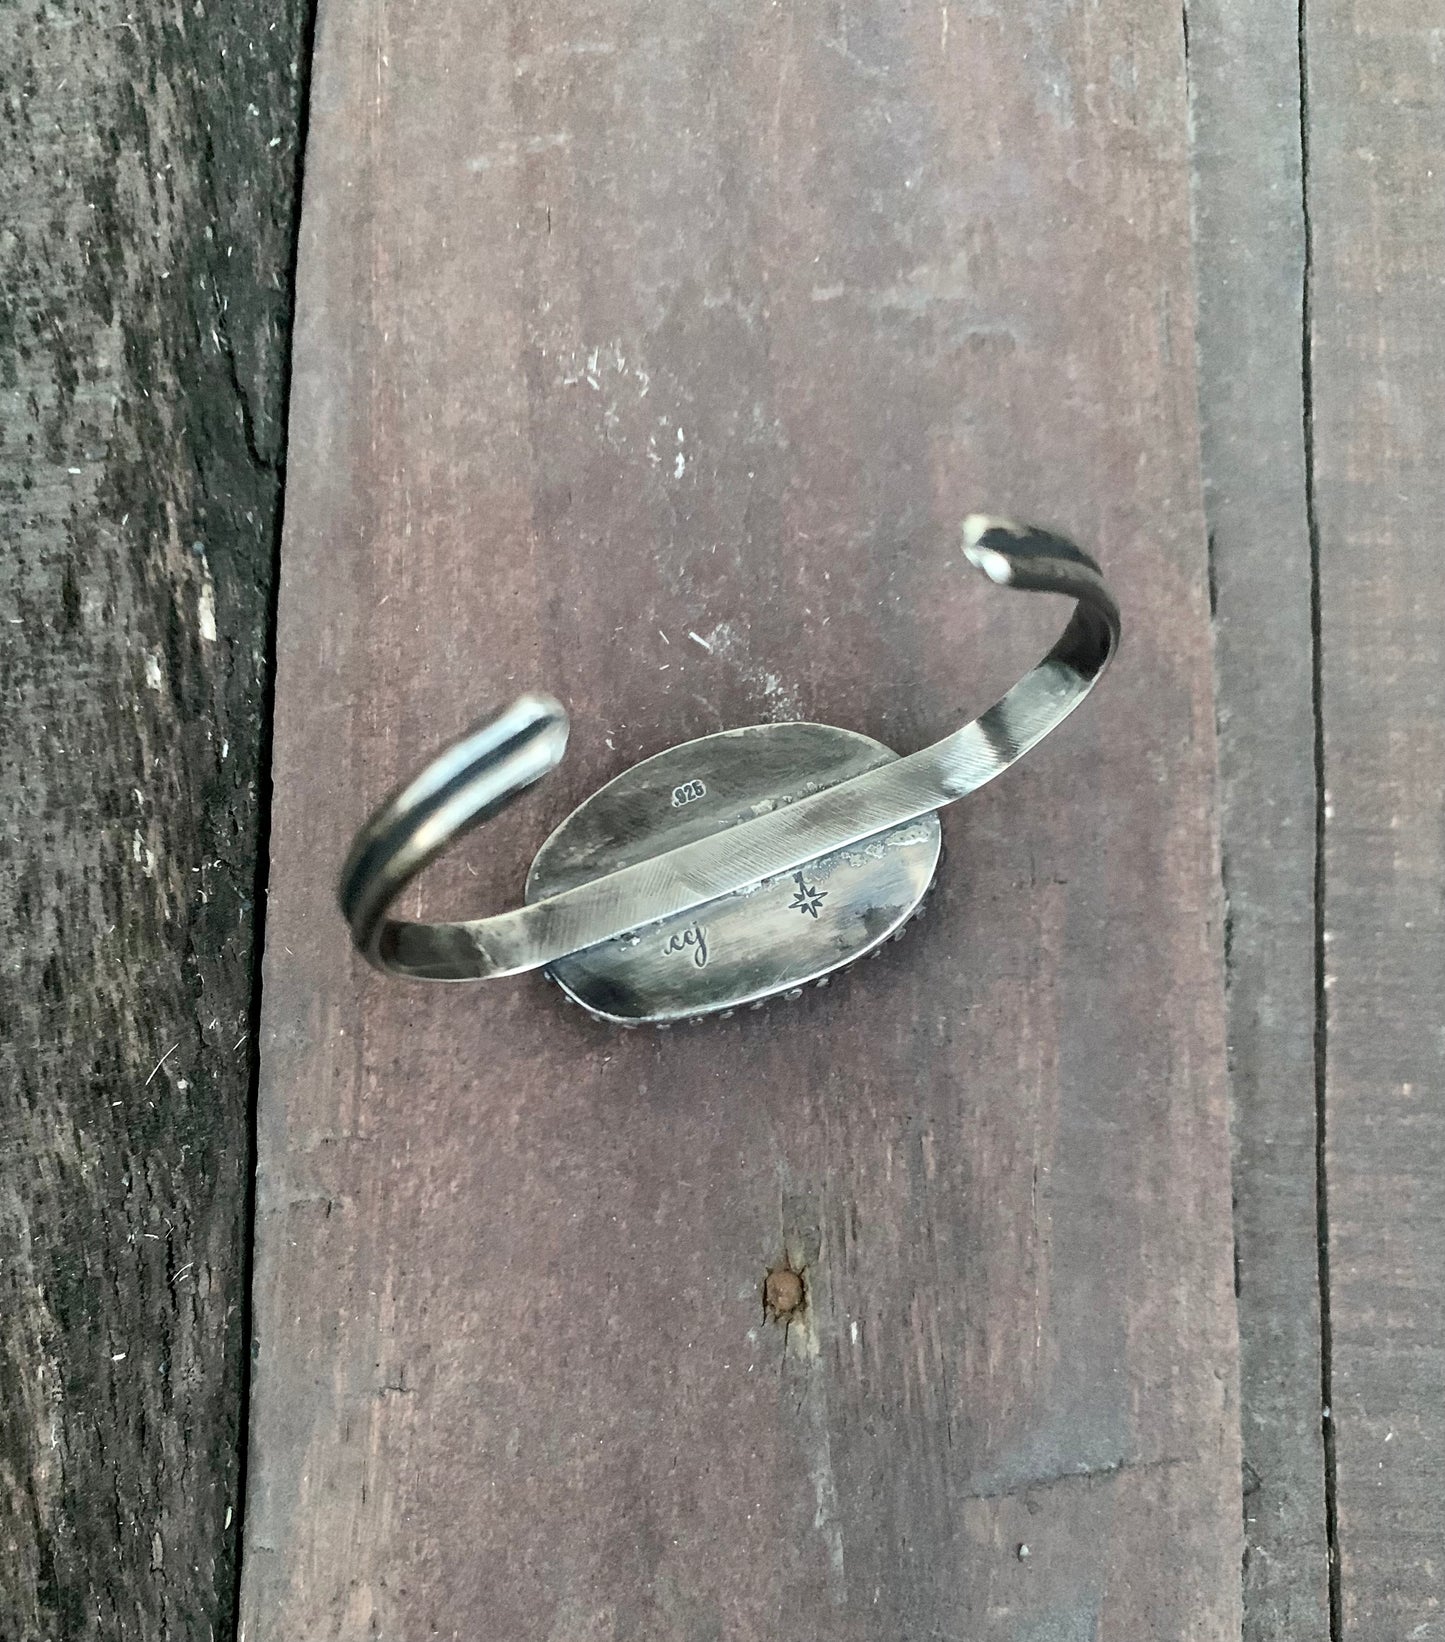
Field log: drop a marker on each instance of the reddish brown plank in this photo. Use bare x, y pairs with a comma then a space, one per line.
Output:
1376, 102
1244, 72
621, 321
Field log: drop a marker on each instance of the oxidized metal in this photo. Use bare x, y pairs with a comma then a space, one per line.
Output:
781, 932
728, 869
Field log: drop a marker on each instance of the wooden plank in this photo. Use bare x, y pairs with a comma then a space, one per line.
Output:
143, 319
617, 322
1250, 257
1376, 101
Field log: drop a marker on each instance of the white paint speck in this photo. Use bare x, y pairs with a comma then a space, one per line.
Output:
142, 854
783, 701
206, 611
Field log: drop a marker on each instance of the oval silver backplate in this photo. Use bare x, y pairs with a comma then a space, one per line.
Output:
783, 933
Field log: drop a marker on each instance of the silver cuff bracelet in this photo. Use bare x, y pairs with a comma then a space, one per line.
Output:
729, 869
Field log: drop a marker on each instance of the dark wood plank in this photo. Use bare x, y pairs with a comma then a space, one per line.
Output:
620, 321
143, 310
1376, 101
1250, 257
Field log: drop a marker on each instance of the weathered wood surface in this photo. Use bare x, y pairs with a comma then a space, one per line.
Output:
618, 322
1244, 70
1375, 89
146, 202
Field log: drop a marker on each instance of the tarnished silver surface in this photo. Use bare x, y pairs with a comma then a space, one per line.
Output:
780, 933
632, 870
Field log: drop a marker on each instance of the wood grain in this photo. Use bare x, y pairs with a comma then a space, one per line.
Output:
147, 173
1377, 205
1250, 251
618, 323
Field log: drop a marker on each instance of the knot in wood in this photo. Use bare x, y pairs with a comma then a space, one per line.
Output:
783, 1291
